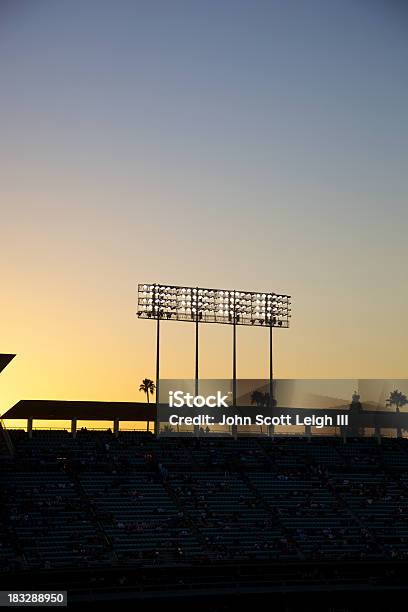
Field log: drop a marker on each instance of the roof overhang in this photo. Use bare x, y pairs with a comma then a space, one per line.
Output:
5, 359
61, 410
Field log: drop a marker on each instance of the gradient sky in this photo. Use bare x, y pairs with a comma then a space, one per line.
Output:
249, 145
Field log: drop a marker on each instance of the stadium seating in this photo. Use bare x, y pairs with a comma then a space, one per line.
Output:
98, 500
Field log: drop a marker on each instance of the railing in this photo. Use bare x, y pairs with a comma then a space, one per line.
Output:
6, 438
59, 428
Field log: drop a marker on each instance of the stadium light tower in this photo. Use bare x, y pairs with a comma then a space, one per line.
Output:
201, 305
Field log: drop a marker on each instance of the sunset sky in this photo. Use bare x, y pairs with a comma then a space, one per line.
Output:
256, 145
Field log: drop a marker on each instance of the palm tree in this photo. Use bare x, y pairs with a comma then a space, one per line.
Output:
147, 387
355, 398
397, 399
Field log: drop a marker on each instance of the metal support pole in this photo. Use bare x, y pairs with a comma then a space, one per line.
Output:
234, 371
30, 427
234, 364
196, 427
74, 427
157, 372
270, 368
196, 355
271, 404
116, 427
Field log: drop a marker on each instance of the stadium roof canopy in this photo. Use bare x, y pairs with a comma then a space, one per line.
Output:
82, 410
5, 360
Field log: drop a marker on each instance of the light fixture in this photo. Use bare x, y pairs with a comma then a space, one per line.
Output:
213, 305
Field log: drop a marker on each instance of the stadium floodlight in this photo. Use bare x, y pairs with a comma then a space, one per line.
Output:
223, 306
203, 305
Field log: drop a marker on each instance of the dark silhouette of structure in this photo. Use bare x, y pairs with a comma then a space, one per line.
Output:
5, 360
360, 417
